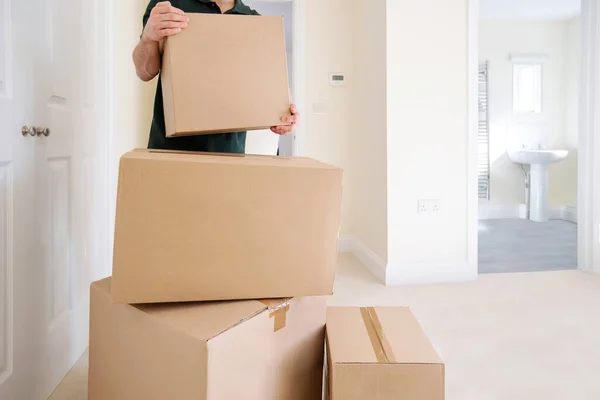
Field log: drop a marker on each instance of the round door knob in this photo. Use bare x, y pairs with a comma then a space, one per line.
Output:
42, 131
28, 130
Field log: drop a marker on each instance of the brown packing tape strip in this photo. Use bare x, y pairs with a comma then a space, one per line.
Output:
381, 346
278, 311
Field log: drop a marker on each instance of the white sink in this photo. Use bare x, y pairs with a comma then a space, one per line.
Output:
543, 157
538, 161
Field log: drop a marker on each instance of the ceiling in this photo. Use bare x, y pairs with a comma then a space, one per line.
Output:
529, 9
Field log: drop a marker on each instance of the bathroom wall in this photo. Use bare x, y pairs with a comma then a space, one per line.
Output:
556, 127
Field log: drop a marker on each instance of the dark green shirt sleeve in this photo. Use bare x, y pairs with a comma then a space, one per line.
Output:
151, 5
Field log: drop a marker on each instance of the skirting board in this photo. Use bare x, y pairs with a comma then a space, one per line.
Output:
406, 274
520, 211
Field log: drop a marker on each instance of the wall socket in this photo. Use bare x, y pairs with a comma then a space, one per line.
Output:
429, 206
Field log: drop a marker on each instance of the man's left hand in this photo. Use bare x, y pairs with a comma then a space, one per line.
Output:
292, 120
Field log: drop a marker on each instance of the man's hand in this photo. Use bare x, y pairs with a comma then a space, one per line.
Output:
165, 20
293, 120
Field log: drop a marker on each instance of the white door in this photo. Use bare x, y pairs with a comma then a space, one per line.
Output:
20, 311
60, 87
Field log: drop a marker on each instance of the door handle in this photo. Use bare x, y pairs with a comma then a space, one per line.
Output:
28, 130
42, 131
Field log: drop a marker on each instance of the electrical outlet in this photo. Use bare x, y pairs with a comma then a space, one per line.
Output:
429, 206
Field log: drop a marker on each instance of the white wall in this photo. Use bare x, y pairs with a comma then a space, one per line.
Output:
498, 39
427, 136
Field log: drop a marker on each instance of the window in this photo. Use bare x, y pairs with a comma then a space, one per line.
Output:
527, 89
527, 84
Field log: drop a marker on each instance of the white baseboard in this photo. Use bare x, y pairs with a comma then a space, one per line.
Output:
374, 263
406, 274
520, 211
500, 211
565, 213
428, 273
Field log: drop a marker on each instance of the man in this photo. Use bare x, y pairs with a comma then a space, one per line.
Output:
163, 19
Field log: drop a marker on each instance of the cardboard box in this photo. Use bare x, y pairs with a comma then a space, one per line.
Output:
205, 351
225, 73
379, 353
193, 227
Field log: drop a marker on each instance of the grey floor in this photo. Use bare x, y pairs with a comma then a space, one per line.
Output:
520, 245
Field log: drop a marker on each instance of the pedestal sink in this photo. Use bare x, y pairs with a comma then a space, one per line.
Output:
538, 161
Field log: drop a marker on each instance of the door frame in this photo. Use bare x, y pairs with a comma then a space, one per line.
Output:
588, 199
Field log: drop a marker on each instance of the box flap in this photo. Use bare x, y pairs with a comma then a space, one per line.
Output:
205, 320
222, 158
387, 335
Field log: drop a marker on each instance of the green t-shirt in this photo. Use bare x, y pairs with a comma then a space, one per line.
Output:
220, 143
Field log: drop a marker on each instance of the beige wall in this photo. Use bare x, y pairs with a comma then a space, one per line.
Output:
329, 49
559, 40
366, 167
427, 130
133, 98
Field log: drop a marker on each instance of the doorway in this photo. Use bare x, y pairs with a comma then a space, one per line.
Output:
586, 147
265, 141
528, 89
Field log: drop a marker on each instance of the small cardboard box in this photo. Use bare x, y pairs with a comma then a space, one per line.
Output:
249, 350
225, 73
379, 353
195, 227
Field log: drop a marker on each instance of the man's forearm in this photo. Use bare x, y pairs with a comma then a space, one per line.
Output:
147, 57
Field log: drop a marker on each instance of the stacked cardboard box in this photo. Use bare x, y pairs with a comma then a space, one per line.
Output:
222, 263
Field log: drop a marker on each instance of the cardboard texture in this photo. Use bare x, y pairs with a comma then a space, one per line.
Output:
195, 227
205, 351
380, 353
225, 73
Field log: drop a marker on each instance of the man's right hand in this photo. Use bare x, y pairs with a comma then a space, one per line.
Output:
165, 20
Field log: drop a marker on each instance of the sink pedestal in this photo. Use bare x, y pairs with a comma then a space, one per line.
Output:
538, 193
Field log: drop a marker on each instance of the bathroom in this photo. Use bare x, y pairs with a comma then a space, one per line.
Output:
528, 137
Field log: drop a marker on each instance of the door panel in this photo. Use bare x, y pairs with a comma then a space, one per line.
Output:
60, 265
21, 310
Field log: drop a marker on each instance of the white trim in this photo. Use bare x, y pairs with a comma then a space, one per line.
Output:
500, 211
366, 256
472, 117
110, 131
565, 213
503, 211
589, 168
424, 273
405, 274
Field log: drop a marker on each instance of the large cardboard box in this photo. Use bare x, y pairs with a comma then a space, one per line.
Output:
379, 353
225, 73
251, 350
192, 227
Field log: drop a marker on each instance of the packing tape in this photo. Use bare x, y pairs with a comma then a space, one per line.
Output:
381, 346
278, 311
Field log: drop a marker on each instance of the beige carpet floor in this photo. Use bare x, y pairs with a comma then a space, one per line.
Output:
529, 336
